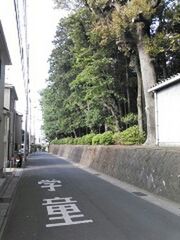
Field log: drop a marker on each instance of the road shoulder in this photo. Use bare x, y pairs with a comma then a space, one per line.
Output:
157, 200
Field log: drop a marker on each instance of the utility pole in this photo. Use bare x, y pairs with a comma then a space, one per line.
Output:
26, 123
26, 82
30, 123
21, 17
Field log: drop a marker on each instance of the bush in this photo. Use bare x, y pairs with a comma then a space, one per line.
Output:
75, 141
55, 141
68, 140
96, 139
79, 141
130, 119
87, 139
130, 136
106, 138
117, 138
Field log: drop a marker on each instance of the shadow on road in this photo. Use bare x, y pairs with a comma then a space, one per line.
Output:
43, 160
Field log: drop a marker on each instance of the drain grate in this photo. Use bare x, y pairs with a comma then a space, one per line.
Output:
140, 194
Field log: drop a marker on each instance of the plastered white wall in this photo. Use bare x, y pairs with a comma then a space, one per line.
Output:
168, 115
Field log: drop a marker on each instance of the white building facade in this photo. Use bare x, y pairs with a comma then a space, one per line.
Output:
167, 111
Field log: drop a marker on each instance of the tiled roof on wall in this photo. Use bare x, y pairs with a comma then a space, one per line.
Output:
165, 83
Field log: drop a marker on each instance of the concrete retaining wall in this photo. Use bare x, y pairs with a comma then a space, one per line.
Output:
154, 169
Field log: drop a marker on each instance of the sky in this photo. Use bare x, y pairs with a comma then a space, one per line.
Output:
42, 20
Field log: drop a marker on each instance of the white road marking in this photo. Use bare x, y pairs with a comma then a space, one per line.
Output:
65, 224
58, 200
66, 209
51, 184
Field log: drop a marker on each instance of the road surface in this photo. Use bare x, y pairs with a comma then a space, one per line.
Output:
57, 201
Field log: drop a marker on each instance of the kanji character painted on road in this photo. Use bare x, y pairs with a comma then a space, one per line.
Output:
51, 184
64, 212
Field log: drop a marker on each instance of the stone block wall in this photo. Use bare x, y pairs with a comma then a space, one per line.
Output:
154, 169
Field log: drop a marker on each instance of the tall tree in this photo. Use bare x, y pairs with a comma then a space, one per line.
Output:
87, 82
164, 45
131, 22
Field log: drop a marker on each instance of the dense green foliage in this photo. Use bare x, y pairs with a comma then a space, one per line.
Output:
96, 139
92, 84
105, 138
130, 119
129, 136
87, 83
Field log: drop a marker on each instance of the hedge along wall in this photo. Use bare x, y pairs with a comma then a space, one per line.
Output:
154, 169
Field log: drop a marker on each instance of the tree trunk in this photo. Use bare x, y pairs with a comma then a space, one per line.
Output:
106, 127
117, 123
127, 89
75, 135
139, 94
149, 79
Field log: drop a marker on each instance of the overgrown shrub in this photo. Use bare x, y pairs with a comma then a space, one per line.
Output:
87, 139
117, 137
75, 141
106, 138
130, 136
130, 119
68, 140
79, 141
55, 141
96, 139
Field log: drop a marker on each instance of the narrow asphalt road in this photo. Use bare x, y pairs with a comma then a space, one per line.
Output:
58, 201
